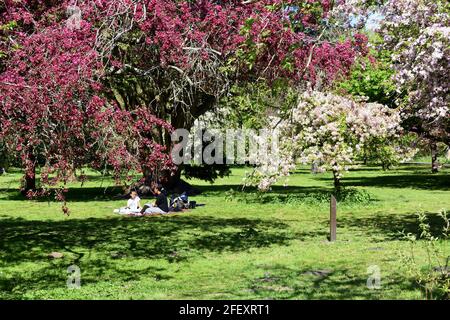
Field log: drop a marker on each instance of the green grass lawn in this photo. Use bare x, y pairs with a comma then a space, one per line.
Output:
238, 246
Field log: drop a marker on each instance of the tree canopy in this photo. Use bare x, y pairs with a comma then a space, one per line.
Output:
102, 83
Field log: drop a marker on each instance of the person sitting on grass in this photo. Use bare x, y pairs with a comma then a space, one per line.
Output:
133, 204
161, 205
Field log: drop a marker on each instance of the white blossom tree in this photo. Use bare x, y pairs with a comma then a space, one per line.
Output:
418, 33
329, 131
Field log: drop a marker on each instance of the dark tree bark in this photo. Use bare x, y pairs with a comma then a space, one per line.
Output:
434, 157
29, 180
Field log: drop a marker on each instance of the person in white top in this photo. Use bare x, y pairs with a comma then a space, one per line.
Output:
133, 205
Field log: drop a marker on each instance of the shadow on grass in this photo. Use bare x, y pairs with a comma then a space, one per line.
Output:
412, 180
144, 237
295, 195
280, 282
103, 247
413, 167
391, 226
85, 194
279, 195
75, 194
54, 275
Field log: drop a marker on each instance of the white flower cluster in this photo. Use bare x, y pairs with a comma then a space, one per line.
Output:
329, 131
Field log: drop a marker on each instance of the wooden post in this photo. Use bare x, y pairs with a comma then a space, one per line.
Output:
332, 218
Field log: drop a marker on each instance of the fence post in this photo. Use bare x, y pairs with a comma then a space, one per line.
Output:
332, 218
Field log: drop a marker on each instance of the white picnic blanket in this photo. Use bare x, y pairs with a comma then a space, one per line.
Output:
128, 211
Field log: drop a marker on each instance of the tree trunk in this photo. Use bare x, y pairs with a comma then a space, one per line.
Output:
337, 182
170, 180
434, 157
182, 120
29, 180
365, 156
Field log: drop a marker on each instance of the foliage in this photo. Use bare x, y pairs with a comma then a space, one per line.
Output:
371, 77
252, 105
206, 172
54, 107
434, 279
389, 152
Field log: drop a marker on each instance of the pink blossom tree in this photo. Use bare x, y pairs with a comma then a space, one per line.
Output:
99, 82
54, 110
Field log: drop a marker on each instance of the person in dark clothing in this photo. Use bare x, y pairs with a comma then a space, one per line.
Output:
161, 202
161, 205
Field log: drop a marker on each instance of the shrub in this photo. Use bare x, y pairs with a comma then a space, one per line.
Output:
433, 278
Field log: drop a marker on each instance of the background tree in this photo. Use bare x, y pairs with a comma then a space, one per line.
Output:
372, 78
330, 131
418, 34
